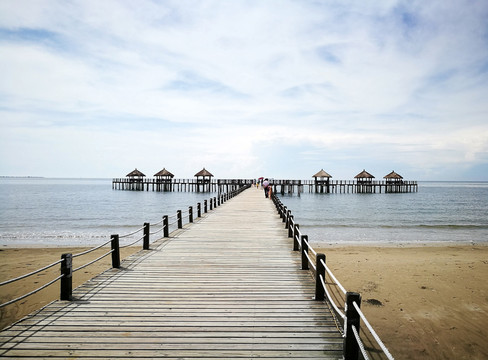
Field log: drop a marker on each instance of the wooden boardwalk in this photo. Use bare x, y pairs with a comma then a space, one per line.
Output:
228, 286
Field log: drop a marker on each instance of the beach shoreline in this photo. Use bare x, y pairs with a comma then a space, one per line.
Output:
425, 302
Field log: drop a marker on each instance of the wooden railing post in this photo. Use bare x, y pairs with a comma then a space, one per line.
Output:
295, 238
211, 203
115, 251
319, 289
283, 214
351, 347
145, 241
179, 218
215, 202
190, 214
199, 209
304, 252
205, 206
290, 226
67, 279
166, 226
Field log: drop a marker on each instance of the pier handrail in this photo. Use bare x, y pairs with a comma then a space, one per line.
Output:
66, 265
352, 341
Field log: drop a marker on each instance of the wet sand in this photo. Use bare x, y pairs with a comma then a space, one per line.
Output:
424, 302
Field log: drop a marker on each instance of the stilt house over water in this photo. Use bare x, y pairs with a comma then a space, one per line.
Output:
322, 181
393, 178
136, 175
364, 177
203, 178
163, 180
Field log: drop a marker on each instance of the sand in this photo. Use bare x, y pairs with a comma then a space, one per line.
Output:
434, 300
431, 302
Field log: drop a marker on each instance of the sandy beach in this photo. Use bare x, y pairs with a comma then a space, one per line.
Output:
424, 302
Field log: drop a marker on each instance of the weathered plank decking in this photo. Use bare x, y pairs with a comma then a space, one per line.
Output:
227, 286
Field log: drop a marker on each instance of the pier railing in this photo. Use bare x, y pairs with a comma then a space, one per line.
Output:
346, 305
143, 234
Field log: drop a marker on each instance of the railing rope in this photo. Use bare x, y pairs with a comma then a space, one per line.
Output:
132, 233
371, 330
31, 273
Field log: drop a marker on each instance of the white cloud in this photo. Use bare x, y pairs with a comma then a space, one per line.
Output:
220, 80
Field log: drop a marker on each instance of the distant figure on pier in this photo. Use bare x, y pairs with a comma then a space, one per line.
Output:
266, 187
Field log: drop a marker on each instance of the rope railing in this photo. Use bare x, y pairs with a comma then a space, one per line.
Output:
336, 308
334, 278
132, 243
90, 250
93, 261
360, 343
31, 293
159, 222
352, 340
66, 259
132, 233
157, 231
30, 274
310, 261
371, 330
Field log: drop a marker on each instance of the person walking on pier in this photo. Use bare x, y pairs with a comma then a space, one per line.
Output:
266, 187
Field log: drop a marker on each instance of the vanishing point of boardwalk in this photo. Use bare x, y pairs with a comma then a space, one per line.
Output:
227, 286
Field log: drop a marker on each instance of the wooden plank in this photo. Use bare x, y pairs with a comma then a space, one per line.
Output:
228, 286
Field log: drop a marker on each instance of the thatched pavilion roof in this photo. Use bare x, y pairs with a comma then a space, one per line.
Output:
393, 175
364, 175
135, 173
164, 172
203, 172
322, 174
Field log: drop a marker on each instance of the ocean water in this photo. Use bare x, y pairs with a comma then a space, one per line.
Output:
440, 212
85, 212
81, 212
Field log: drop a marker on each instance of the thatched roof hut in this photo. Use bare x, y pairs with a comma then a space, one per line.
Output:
393, 176
321, 174
364, 177
204, 173
203, 176
135, 174
164, 174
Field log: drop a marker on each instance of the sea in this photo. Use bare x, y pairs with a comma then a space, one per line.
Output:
85, 212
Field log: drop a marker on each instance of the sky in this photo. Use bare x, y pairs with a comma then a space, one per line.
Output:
244, 88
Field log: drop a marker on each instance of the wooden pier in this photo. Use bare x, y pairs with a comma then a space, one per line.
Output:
227, 286
279, 186
343, 186
195, 185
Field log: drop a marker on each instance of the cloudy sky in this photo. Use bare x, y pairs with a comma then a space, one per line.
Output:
272, 88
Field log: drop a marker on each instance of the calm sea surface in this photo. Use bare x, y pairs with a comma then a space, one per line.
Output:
439, 212
76, 212
79, 212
